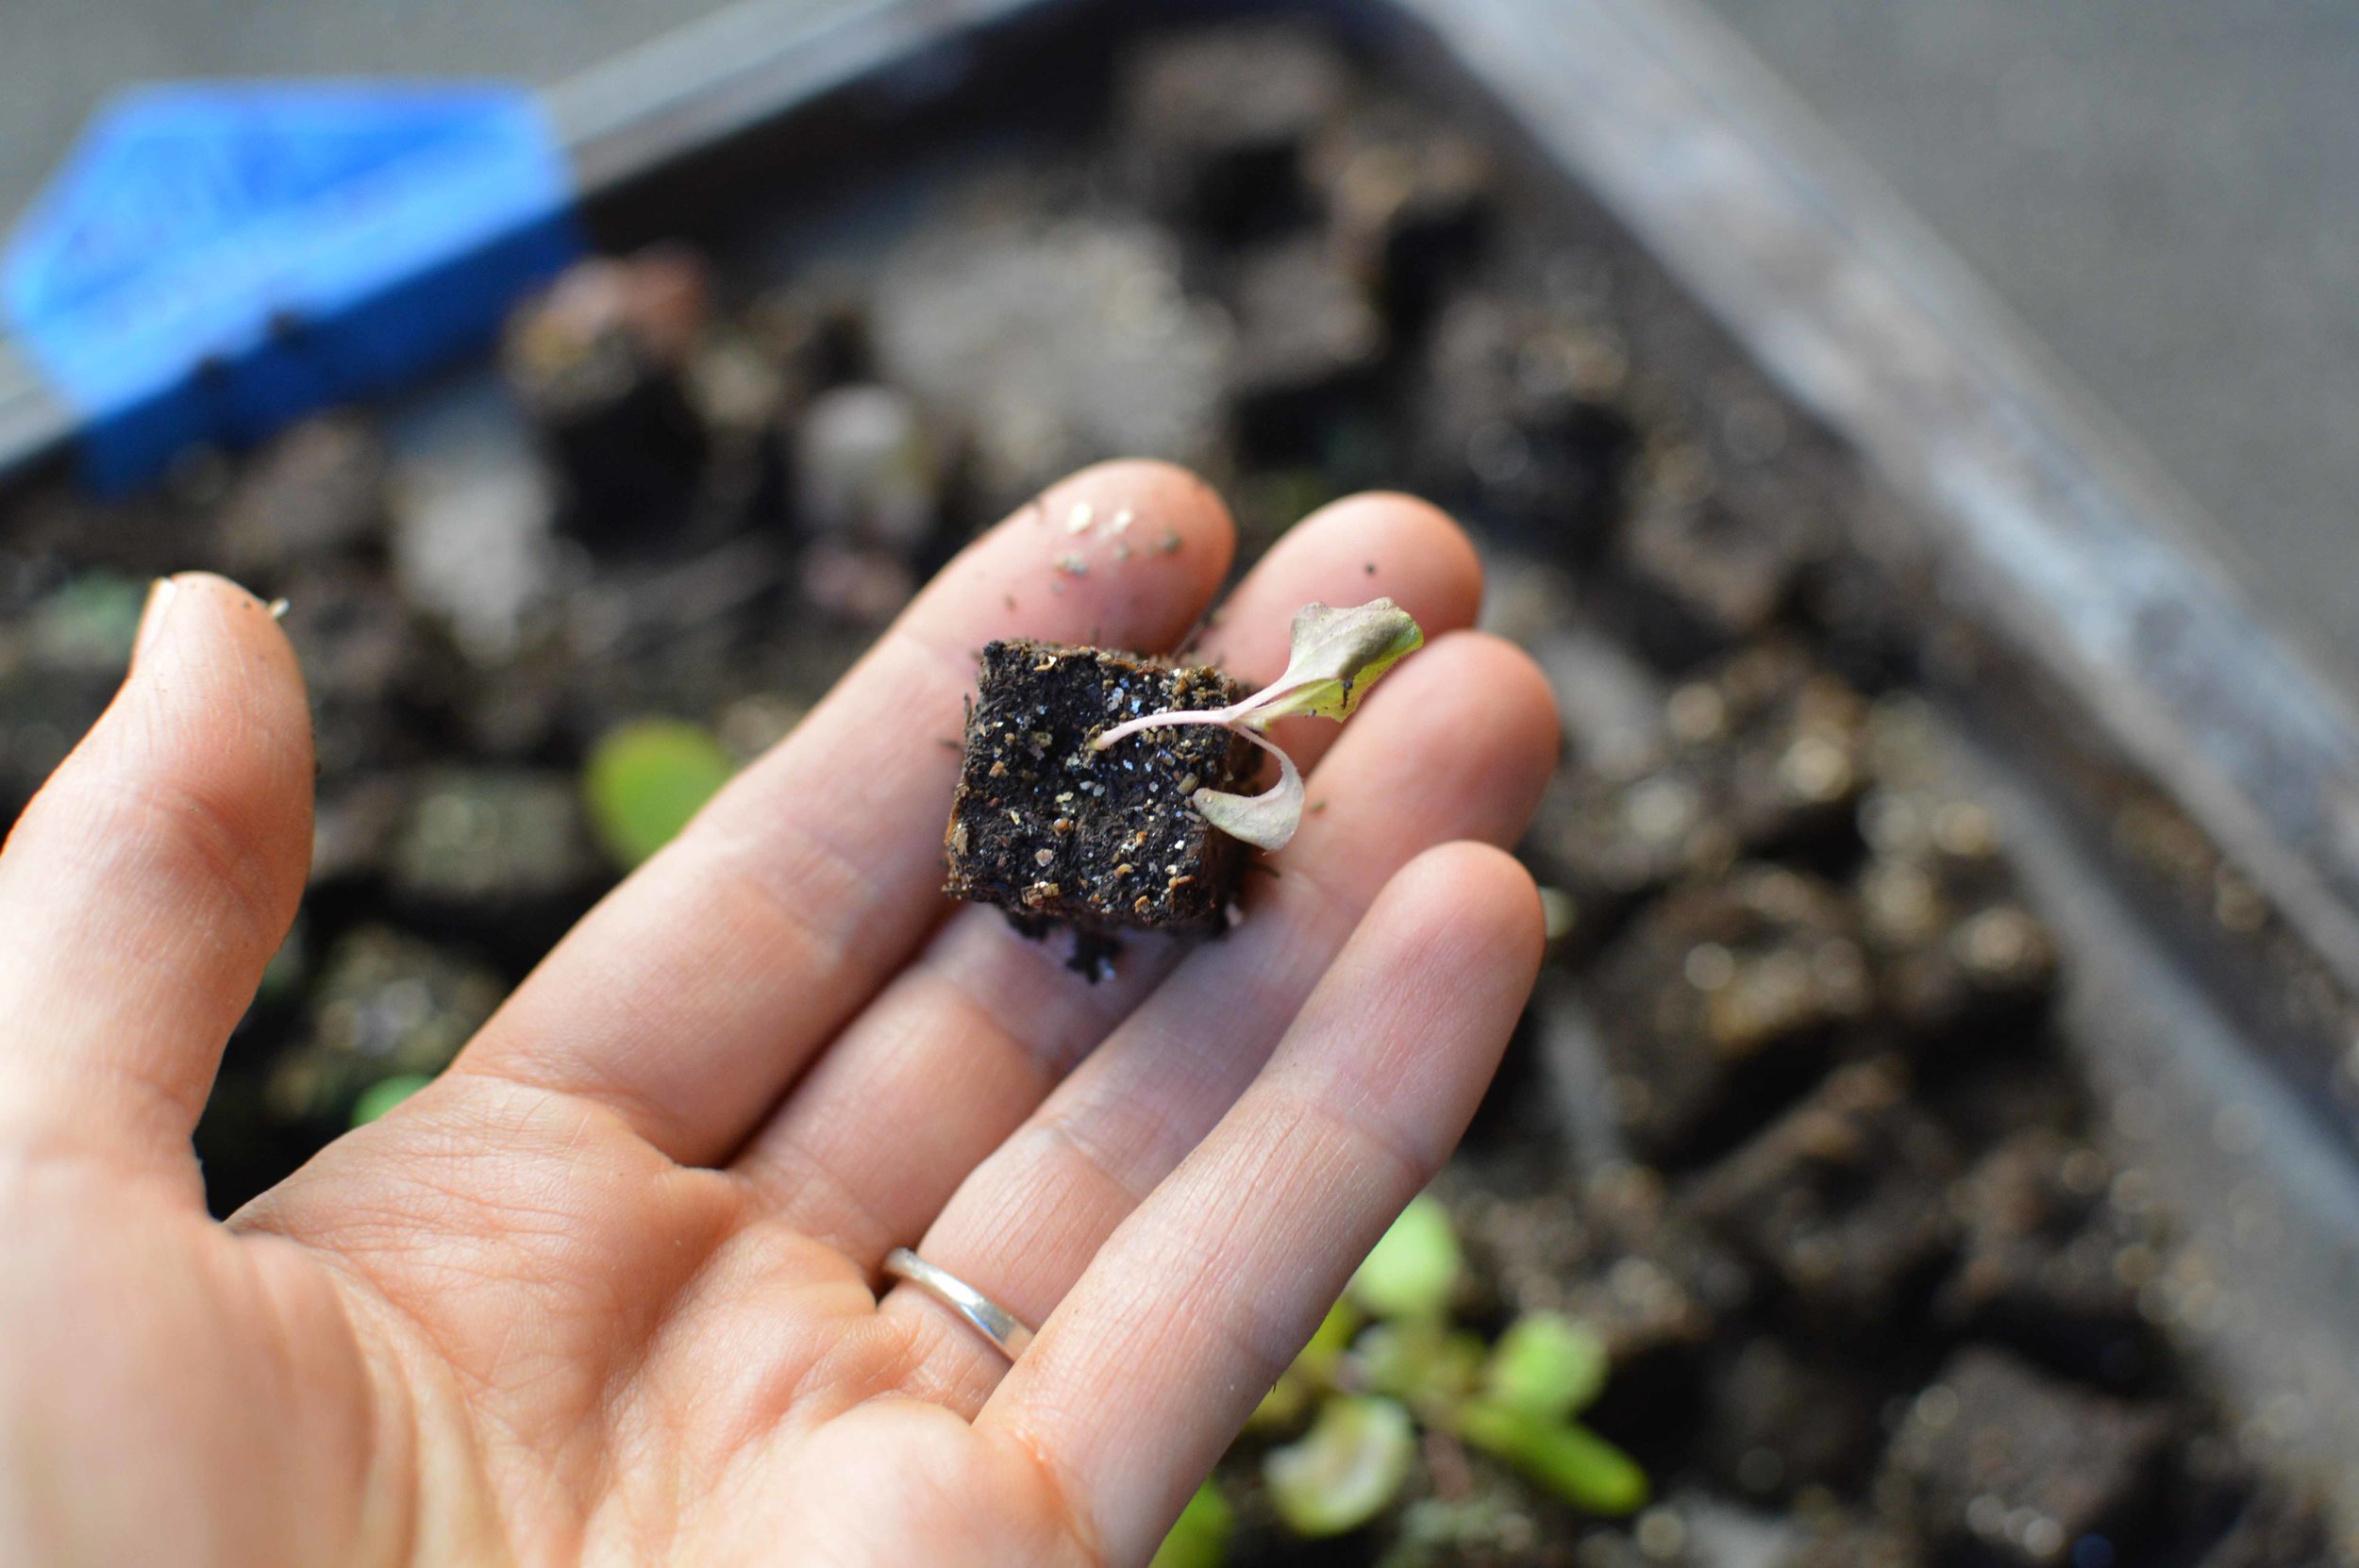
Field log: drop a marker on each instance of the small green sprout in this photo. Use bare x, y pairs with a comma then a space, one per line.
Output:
1345, 1469
1421, 1360
1564, 1457
385, 1094
645, 779
1547, 1365
1336, 656
1412, 1271
1374, 1383
1199, 1537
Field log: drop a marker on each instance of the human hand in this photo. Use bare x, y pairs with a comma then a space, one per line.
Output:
606, 1289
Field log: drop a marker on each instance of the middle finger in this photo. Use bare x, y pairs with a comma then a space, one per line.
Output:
961, 1047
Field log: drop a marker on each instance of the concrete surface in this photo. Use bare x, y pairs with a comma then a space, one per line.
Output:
2167, 190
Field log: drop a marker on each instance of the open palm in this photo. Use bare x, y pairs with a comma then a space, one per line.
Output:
607, 1290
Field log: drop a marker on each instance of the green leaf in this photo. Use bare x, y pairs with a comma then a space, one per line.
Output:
645, 779
1413, 1270
1345, 1470
1200, 1538
385, 1094
1330, 1341
1283, 1406
1548, 1365
1335, 656
1563, 1457
1421, 1360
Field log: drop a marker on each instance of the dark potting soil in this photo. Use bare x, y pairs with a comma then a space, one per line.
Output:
1058, 833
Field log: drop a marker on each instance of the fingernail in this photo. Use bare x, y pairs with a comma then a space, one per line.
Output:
158, 611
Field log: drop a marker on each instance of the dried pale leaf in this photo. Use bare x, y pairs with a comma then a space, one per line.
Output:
1266, 821
1336, 655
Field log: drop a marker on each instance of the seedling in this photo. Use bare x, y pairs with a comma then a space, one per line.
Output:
1345, 1469
1388, 1362
1547, 1365
1099, 790
1057, 833
1336, 656
1412, 1271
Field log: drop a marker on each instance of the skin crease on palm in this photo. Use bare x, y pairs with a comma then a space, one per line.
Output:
607, 1292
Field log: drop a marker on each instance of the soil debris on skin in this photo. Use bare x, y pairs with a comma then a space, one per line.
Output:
1060, 834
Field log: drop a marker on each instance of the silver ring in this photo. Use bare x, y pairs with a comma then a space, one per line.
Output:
987, 1318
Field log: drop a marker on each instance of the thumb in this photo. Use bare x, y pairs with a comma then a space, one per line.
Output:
148, 883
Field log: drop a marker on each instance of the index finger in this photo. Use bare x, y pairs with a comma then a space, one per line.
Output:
689, 999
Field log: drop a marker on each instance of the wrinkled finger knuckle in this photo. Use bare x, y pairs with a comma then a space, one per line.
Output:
1073, 1536
191, 846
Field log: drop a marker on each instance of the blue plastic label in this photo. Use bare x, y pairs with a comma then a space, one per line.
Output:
214, 261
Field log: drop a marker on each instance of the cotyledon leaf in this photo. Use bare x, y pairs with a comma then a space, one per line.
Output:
1334, 657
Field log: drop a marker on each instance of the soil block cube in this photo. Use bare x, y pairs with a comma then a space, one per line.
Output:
1217, 121
1719, 1005
2043, 1257
1843, 1198
2000, 1464
597, 365
1309, 345
1054, 832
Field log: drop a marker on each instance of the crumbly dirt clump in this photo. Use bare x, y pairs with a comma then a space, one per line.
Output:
1054, 832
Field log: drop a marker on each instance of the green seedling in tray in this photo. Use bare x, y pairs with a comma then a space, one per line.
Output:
1388, 1362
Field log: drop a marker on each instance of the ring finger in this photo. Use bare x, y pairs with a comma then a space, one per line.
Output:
1457, 745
